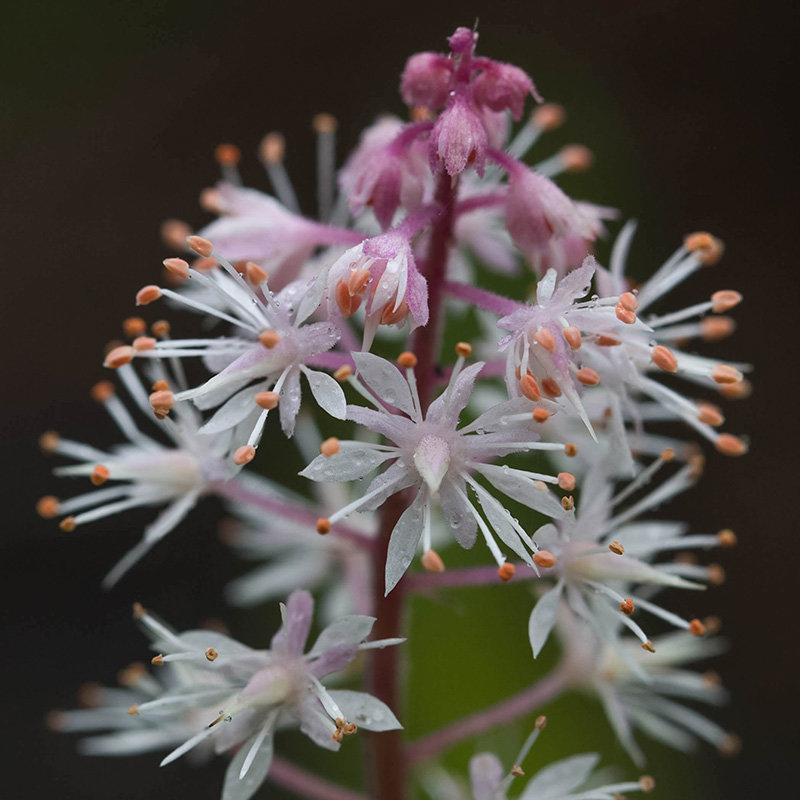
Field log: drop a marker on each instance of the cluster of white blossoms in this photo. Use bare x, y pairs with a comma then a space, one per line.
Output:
554, 449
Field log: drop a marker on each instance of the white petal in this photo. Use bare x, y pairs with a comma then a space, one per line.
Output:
232, 412
352, 629
386, 380
327, 392
559, 779
349, 464
366, 711
235, 788
543, 618
404, 540
485, 773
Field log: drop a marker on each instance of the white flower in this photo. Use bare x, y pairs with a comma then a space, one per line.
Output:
439, 462
599, 555
258, 373
561, 345
144, 471
243, 695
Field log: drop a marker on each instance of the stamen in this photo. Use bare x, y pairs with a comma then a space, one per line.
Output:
463, 349
174, 233
727, 538
648, 645
627, 607
725, 300
616, 548
99, 475
551, 388
624, 314
162, 402
343, 373
540, 415
544, 559
545, 338
736, 391
269, 338
67, 524
724, 373
323, 526
432, 561
647, 783
696, 628
549, 116
570, 449
160, 328
244, 455
664, 358
330, 447
200, 245
49, 440
587, 376
267, 400
141, 343
572, 336
576, 158
407, 360
506, 572
147, 295
710, 414
177, 266
529, 387
255, 273
566, 481
568, 503
47, 507
712, 329
706, 247
730, 445
134, 710
628, 300
119, 356
133, 327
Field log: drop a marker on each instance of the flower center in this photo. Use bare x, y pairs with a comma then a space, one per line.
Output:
432, 460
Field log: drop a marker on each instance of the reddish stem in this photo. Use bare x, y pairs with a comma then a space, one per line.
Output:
305, 784
389, 779
502, 713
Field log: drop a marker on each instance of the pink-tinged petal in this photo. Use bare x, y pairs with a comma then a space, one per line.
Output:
426, 80
576, 284
447, 407
398, 477
503, 87
393, 427
432, 460
291, 638
334, 659
485, 774
458, 140
417, 298
311, 715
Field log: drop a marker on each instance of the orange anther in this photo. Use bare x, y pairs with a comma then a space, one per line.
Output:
529, 387
464, 349
541, 723
506, 572
211, 654
696, 628
549, 116
147, 295
134, 710
323, 525
160, 386
133, 327
517, 771
174, 233
545, 338
244, 455
269, 338
716, 574
725, 300
267, 400
625, 315
432, 561
736, 391
343, 373
697, 462
210, 200
158, 660
47, 507
664, 358
204, 264
119, 356
330, 447
50, 440
713, 625
177, 266
617, 548
132, 674
255, 273
573, 337
626, 606
646, 783
604, 340
390, 316
160, 328
706, 247
99, 475
568, 503
138, 611
348, 304
358, 280
628, 300
540, 415
712, 329
727, 538
407, 360
420, 114
227, 154
544, 559
272, 148
162, 402
724, 373
551, 388
566, 481
576, 157
324, 123
67, 524
200, 246
144, 343
710, 414
730, 746
570, 449
648, 645
587, 376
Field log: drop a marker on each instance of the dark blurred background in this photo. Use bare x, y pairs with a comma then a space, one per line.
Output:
110, 112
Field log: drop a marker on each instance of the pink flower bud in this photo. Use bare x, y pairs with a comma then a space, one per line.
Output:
458, 140
426, 80
503, 86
